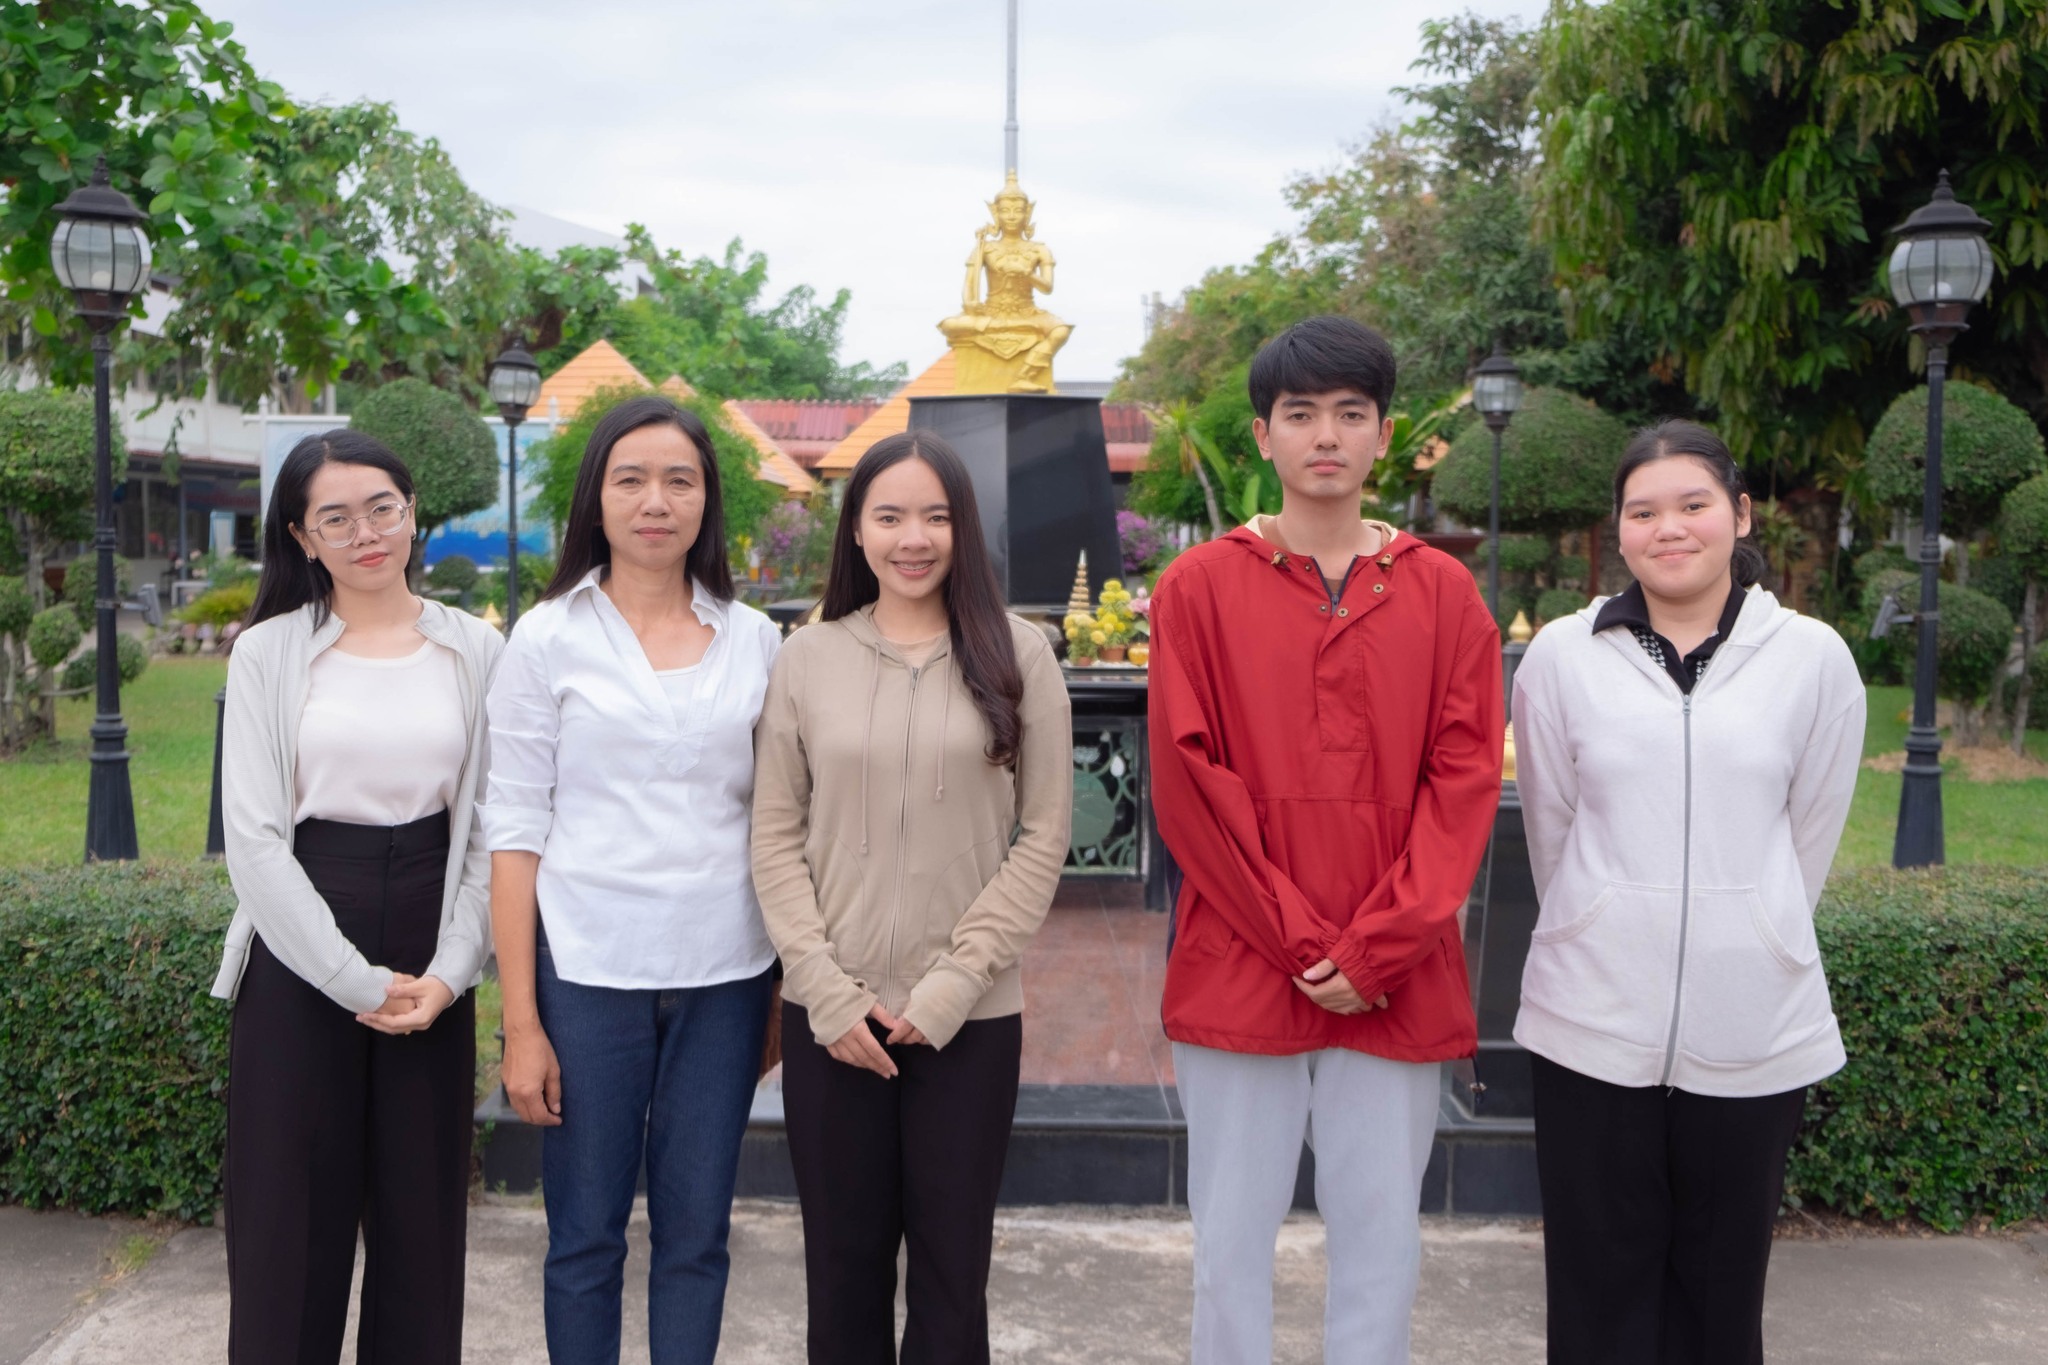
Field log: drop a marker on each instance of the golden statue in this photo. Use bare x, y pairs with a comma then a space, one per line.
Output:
1004, 343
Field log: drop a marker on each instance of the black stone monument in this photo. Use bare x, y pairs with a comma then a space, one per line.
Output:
1041, 476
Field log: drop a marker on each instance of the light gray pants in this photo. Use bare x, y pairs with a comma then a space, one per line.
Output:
1370, 1122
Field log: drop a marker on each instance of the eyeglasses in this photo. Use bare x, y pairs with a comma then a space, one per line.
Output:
338, 529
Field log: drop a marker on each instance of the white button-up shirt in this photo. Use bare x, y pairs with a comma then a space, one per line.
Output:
642, 825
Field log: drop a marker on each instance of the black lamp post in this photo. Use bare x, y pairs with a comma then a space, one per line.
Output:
1497, 394
515, 384
101, 255
1939, 269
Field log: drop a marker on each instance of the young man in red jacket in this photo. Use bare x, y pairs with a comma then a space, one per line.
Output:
1326, 756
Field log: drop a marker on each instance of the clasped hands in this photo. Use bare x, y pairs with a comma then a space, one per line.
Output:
858, 1046
410, 1004
1331, 989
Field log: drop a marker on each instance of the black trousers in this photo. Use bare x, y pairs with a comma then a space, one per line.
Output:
333, 1126
882, 1163
1658, 1207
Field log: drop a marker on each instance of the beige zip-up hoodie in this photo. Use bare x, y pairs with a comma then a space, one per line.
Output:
893, 861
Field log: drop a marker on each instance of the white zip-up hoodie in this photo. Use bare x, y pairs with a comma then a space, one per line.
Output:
1679, 845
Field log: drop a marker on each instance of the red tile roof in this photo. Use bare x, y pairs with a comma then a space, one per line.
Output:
808, 419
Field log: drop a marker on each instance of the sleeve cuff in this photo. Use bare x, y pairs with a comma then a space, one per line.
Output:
942, 1000
834, 1000
515, 829
1351, 960
359, 988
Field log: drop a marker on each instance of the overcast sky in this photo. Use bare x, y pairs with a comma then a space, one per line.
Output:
855, 143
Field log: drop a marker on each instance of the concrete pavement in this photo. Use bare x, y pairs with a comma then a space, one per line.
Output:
1070, 1285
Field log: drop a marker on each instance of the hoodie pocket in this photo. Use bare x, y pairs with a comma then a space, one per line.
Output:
1748, 995
1611, 968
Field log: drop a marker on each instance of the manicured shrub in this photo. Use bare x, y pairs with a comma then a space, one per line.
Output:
217, 607
1987, 447
1971, 638
17, 607
52, 635
1521, 554
82, 586
451, 453
1556, 466
130, 658
1940, 981
1555, 603
113, 1058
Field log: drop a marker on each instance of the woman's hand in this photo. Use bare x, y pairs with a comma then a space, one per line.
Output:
903, 1031
859, 1047
532, 1076
411, 1003
771, 1041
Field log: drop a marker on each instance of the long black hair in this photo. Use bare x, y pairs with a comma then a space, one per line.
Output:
584, 546
976, 618
1675, 436
290, 579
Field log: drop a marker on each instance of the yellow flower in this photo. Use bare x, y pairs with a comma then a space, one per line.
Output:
1098, 637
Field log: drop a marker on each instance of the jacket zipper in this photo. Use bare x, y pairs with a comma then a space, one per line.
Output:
902, 821
1684, 903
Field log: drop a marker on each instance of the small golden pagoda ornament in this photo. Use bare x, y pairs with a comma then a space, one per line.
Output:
1080, 602
492, 619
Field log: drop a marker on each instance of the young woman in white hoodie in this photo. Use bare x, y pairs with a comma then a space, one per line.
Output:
1687, 751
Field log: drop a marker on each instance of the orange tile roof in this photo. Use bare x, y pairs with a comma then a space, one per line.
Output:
776, 467
600, 366
890, 418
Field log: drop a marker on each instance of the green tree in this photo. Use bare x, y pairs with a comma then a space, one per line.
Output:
709, 321
189, 131
2023, 536
747, 496
1721, 177
46, 474
1988, 447
448, 448
1556, 475
1971, 639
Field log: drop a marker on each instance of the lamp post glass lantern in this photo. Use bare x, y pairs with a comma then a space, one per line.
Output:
1497, 394
101, 254
1940, 269
515, 386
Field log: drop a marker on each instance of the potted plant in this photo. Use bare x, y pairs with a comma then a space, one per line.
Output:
1115, 620
1084, 639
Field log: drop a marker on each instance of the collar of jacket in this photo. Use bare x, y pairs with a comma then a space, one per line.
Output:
436, 622
1760, 618
1371, 581
861, 626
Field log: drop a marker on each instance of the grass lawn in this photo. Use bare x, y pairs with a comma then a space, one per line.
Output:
1984, 822
169, 710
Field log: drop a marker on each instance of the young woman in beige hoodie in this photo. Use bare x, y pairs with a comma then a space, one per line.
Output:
913, 786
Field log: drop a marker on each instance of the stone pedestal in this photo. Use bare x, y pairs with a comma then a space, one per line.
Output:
1041, 476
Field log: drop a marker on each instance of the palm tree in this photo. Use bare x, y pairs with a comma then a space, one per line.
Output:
1196, 453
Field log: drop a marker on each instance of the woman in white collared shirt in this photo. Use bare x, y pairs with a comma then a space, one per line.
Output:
635, 967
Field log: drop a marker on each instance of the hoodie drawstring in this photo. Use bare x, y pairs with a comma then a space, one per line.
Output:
866, 746
945, 714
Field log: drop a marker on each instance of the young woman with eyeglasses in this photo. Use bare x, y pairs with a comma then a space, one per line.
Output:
351, 761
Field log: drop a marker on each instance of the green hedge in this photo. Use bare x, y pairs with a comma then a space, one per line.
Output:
113, 1058
1940, 980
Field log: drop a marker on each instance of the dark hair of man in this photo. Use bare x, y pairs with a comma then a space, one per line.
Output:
1323, 355
1677, 437
584, 546
977, 620
290, 579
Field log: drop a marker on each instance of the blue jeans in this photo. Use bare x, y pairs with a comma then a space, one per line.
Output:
669, 1075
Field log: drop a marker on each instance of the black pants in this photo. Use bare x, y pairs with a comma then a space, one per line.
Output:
333, 1126
880, 1163
1658, 1207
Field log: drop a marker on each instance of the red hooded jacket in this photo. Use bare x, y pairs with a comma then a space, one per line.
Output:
1326, 777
